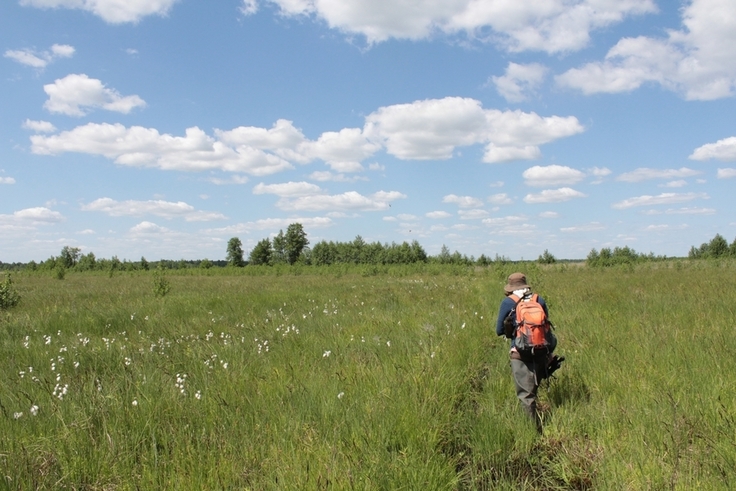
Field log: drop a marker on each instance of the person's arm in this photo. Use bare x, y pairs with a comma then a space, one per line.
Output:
507, 305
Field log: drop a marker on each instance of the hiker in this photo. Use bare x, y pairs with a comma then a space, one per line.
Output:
523, 318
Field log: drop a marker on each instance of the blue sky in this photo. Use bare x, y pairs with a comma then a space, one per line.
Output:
164, 128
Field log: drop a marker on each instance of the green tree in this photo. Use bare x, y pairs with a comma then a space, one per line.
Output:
69, 256
483, 260
295, 242
235, 253
547, 258
718, 246
87, 262
444, 257
279, 248
418, 254
261, 253
144, 264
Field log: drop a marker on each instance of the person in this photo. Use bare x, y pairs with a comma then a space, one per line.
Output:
528, 369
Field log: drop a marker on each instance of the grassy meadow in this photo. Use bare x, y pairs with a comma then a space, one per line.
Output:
366, 379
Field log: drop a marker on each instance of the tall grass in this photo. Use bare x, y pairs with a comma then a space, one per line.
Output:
354, 378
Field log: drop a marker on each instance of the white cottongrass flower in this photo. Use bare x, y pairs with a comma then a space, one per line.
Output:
17, 415
34, 410
326, 354
388, 343
198, 395
340, 395
180, 381
134, 403
60, 391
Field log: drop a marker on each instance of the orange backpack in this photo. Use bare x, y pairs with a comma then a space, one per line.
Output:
533, 328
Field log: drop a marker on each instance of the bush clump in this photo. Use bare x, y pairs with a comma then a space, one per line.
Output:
9, 296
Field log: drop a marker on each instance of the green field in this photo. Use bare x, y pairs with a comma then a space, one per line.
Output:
393, 378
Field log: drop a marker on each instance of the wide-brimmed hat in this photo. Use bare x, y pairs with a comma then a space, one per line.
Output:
516, 281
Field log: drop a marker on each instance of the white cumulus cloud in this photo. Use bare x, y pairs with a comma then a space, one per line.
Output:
680, 211
726, 173
234, 179
146, 147
324, 176
29, 218
724, 149
271, 224
111, 11
7, 180
500, 199
551, 175
599, 173
553, 196
76, 94
520, 82
435, 215
148, 228
475, 214
553, 26
463, 201
506, 221
588, 227
39, 126
288, 189
30, 57
342, 150
433, 128
644, 173
662, 199
680, 183
423, 130
348, 201
164, 209
698, 62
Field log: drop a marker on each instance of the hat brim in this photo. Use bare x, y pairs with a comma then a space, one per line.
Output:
509, 289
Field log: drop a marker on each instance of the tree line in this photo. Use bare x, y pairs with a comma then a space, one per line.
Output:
71, 258
715, 248
292, 247
618, 255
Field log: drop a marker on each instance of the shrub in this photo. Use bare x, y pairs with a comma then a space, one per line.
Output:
161, 285
9, 296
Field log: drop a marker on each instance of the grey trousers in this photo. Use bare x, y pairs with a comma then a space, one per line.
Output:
527, 375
